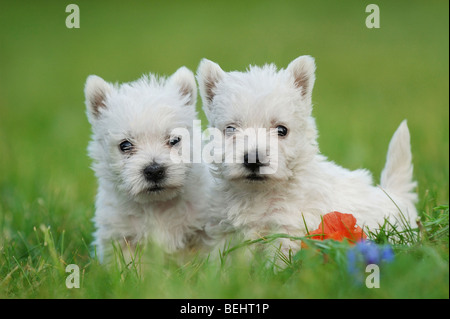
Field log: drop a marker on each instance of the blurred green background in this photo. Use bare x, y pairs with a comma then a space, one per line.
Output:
368, 81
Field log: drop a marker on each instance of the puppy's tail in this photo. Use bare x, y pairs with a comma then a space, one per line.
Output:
397, 175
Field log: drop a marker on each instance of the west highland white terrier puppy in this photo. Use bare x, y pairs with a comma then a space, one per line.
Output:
299, 183
143, 194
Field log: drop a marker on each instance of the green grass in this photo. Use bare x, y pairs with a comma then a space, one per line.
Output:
368, 81
419, 270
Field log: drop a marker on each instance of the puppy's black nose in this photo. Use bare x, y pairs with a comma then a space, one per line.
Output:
154, 172
254, 162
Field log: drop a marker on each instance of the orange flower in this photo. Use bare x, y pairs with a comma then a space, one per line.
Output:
338, 226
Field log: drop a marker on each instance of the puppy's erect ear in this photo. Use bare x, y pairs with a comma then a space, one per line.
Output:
303, 70
208, 75
95, 92
184, 79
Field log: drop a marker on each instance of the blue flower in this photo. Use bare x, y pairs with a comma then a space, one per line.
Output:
367, 252
387, 254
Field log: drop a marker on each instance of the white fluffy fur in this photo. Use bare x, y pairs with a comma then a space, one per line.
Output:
305, 182
145, 112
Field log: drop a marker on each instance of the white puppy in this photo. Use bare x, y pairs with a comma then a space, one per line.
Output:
298, 179
143, 194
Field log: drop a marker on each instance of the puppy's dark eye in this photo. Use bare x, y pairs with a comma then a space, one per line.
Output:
282, 130
126, 146
174, 140
229, 130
